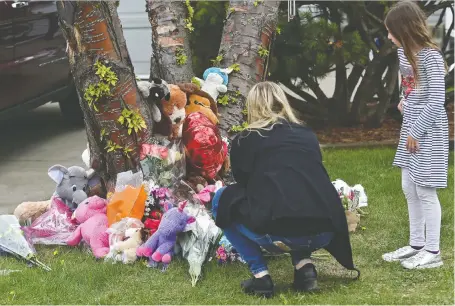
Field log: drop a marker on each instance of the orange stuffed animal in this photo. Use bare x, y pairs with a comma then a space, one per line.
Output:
173, 113
199, 101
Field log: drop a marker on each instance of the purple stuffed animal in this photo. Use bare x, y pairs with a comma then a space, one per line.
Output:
160, 246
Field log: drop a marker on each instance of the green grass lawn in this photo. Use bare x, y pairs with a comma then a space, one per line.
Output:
77, 278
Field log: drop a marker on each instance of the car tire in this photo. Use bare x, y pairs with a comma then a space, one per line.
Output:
71, 109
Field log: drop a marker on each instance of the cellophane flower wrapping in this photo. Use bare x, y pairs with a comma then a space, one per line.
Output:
12, 240
117, 233
200, 236
205, 150
117, 230
128, 178
159, 200
128, 199
164, 162
197, 241
54, 227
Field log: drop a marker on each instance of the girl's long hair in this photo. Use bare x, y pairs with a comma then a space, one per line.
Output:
408, 24
267, 105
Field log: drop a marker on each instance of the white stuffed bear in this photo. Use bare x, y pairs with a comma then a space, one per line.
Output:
215, 81
125, 251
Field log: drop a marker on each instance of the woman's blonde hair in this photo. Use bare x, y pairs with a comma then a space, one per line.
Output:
408, 24
266, 105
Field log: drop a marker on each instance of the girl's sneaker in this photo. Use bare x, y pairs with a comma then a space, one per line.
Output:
400, 254
423, 260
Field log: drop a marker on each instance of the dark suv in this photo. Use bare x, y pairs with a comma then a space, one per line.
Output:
34, 68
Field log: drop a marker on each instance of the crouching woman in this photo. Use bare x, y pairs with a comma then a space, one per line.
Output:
283, 199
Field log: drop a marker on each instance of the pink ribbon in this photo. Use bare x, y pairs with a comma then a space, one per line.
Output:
204, 194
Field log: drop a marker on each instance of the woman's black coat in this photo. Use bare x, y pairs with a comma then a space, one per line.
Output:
282, 188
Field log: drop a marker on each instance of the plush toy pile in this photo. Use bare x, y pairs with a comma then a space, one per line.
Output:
154, 214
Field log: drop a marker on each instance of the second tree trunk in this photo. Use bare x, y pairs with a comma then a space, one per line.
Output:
246, 40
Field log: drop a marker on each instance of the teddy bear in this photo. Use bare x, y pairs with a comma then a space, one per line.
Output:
28, 212
215, 81
173, 113
154, 92
199, 101
71, 189
125, 251
160, 246
93, 225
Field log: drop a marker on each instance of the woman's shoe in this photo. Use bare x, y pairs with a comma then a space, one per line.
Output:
305, 279
262, 286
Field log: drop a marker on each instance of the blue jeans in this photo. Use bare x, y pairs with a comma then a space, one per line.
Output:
249, 244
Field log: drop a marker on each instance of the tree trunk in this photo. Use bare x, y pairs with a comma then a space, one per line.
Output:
373, 75
385, 92
341, 104
106, 85
246, 40
172, 58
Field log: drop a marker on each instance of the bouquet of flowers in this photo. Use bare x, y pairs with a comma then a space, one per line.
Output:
163, 164
226, 253
13, 241
159, 199
350, 201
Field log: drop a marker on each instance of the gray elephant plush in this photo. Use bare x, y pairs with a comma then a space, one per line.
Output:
71, 188
72, 184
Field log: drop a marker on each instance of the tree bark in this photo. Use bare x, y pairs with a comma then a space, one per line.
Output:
247, 34
434, 6
373, 74
95, 39
385, 92
342, 103
172, 56
354, 78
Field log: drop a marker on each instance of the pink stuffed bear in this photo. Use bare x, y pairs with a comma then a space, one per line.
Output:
91, 215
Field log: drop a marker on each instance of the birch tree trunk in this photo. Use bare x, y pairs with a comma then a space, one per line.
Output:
247, 37
171, 21
117, 119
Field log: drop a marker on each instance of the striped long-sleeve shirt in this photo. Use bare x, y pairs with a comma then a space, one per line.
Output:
425, 119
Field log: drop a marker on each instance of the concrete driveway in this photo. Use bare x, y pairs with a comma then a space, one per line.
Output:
29, 145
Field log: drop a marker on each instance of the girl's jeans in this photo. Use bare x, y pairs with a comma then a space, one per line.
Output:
249, 245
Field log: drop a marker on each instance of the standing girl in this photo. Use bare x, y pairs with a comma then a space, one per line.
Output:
422, 152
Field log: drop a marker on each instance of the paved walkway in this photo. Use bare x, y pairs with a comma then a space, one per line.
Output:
32, 143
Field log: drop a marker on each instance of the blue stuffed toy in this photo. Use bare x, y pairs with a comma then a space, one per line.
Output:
215, 81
